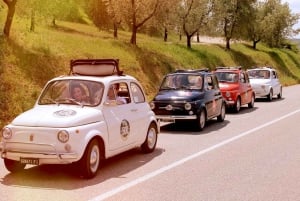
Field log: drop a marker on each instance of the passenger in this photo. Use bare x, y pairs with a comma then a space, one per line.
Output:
266, 74
198, 83
112, 95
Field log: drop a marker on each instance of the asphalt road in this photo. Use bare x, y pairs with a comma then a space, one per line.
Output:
253, 155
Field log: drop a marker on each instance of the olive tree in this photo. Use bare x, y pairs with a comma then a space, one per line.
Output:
11, 5
230, 17
193, 15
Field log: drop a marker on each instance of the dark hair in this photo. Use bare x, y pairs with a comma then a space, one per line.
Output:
77, 85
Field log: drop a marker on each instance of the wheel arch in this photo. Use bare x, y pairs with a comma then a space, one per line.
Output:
101, 142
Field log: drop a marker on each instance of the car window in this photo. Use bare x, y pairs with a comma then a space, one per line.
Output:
227, 76
118, 94
274, 74
182, 81
259, 74
137, 93
242, 78
78, 92
210, 84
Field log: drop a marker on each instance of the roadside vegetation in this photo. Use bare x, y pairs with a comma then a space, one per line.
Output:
28, 59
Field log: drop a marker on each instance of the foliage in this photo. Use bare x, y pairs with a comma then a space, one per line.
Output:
35, 58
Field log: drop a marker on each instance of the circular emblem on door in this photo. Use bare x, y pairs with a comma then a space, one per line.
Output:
124, 129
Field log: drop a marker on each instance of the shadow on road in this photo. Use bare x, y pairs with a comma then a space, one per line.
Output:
66, 177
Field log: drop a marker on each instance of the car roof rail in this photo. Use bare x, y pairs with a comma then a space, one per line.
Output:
192, 70
95, 67
229, 67
262, 67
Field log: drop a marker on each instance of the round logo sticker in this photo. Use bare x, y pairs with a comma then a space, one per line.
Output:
64, 113
124, 129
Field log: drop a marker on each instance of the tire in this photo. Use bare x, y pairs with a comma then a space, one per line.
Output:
270, 95
221, 117
201, 120
13, 166
90, 161
251, 104
279, 96
151, 139
237, 106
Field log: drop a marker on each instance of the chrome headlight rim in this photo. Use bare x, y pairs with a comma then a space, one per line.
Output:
187, 106
6, 133
152, 105
63, 136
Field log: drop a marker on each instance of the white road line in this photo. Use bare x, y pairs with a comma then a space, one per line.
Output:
177, 163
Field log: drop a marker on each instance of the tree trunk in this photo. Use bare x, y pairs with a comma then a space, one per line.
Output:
54, 21
133, 36
227, 43
32, 21
188, 41
115, 31
198, 37
166, 34
10, 15
254, 43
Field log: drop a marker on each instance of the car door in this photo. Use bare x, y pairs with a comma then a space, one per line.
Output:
275, 82
213, 96
119, 121
140, 112
245, 88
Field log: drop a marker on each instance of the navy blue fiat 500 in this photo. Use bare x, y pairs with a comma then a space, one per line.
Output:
189, 95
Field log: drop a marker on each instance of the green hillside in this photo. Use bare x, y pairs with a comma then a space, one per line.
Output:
29, 59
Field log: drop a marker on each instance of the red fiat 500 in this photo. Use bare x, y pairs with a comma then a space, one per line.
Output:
235, 87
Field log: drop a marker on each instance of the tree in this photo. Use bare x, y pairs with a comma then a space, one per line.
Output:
193, 15
11, 5
141, 11
254, 27
231, 15
98, 12
277, 23
113, 8
166, 17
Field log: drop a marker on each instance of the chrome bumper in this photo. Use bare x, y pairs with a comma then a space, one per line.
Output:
175, 117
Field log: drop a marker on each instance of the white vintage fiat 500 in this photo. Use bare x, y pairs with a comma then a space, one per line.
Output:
93, 113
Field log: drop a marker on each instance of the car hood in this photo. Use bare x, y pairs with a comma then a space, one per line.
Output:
178, 95
57, 116
228, 86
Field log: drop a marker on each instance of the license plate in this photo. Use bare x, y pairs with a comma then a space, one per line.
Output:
32, 161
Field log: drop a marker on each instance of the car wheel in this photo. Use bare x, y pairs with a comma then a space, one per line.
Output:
251, 104
90, 161
151, 139
221, 117
201, 120
237, 107
280, 93
270, 95
13, 166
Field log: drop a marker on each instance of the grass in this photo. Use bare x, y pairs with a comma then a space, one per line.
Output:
29, 59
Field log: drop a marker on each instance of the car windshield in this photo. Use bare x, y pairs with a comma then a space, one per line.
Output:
182, 81
227, 76
259, 74
76, 92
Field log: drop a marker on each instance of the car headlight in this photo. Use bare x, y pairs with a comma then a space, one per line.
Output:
6, 133
63, 136
152, 105
187, 106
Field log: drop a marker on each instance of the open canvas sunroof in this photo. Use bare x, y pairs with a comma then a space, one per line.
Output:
95, 67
